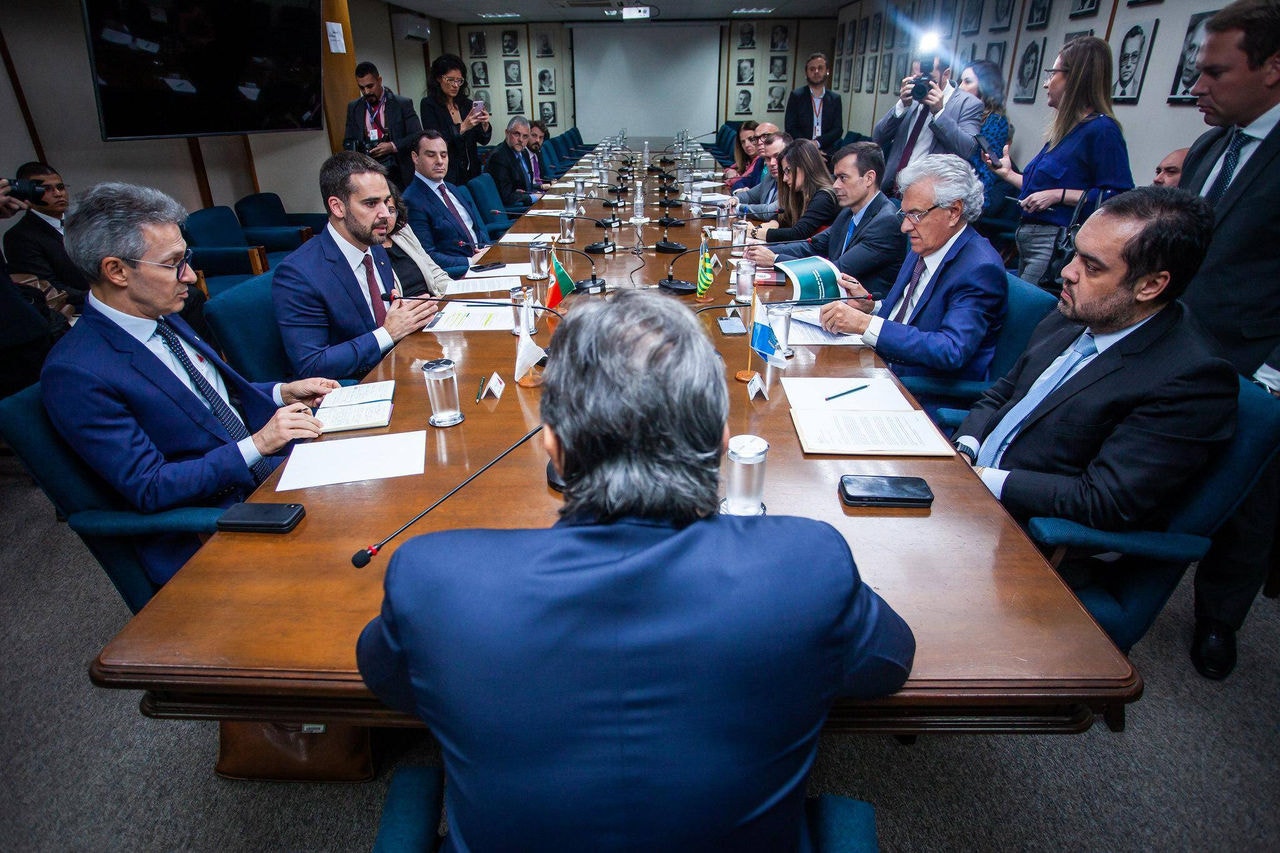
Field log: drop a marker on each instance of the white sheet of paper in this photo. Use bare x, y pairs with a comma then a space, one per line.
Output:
552, 197
337, 42
501, 272
352, 395
517, 239
482, 285
880, 395
702, 185
542, 212
473, 318
350, 460
806, 334
715, 198
869, 433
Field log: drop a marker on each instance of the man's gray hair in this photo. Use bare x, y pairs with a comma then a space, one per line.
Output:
517, 121
636, 394
106, 220
953, 180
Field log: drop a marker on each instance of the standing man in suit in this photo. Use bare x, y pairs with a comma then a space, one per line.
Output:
382, 124
147, 403
445, 221
947, 121
510, 168
945, 311
642, 618
34, 244
814, 111
864, 241
1118, 401
329, 292
1236, 294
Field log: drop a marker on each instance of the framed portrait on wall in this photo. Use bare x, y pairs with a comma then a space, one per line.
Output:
971, 17
1131, 48
746, 36
746, 72
859, 68
779, 39
848, 75
873, 38
475, 43
546, 81
543, 46
1002, 16
479, 73
835, 74
864, 27
547, 112
946, 20
906, 14
1083, 8
890, 29
512, 72
515, 101
778, 69
1184, 75
1038, 14
904, 61
995, 53
1026, 77
777, 99
850, 37
510, 43
743, 107
1078, 34
886, 72
872, 72
1144, 2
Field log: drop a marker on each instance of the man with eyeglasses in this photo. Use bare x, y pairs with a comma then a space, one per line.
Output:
382, 124
140, 396
943, 314
761, 201
511, 169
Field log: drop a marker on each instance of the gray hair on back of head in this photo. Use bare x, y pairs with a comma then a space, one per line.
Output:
636, 394
106, 221
953, 180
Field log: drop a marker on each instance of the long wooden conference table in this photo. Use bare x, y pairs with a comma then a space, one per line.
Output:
263, 627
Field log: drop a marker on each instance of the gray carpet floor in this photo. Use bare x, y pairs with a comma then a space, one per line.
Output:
1198, 767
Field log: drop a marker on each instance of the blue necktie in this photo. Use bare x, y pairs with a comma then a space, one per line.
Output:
1229, 162
221, 409
853, 223
998, 439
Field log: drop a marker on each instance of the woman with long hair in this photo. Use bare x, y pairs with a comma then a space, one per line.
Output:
448, 109
1084, 152
984, 81
806, 201
414, 272
747, 166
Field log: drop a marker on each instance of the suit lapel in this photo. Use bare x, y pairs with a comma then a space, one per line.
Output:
930, 289
1214, 147
868, 215
344, 280
1259, 161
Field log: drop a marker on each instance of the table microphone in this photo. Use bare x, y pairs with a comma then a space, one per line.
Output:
361, 558
677, 285
481, 303
593, 284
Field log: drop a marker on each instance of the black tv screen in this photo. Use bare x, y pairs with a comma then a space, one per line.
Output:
204, 67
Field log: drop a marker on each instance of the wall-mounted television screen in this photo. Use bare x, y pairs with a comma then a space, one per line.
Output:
204, 67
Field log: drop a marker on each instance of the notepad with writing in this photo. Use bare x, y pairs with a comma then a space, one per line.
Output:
869, 433
357, 407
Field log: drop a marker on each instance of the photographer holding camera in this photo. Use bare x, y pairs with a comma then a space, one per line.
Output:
931, 116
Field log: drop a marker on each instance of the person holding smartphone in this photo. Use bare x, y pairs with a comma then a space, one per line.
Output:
462, 122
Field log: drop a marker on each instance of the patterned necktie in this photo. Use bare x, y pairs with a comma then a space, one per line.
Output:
1229, 162
448, 202
221, 408
998, 439
537, 172
911, 140
900, 313
375, 290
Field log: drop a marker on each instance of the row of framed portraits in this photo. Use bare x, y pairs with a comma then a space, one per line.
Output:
513, 75
478, 44
548, 111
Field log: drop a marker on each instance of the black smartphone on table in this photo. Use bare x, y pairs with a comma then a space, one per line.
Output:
261, 517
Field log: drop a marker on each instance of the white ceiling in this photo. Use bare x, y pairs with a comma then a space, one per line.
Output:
468, 11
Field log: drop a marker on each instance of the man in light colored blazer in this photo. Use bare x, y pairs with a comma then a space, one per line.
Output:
947, 121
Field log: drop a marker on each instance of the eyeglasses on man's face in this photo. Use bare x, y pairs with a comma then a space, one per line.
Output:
179, 269
915, 215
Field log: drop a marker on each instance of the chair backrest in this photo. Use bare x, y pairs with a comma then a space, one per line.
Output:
214, 226
485, 194
244, 321
72, 487
261, 210
1231, 475
1026, 306
575, 136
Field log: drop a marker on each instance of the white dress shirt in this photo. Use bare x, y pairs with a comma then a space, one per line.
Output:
931, 263
925, 140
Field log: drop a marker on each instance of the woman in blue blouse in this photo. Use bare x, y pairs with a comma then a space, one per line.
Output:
1085, 151
983, 80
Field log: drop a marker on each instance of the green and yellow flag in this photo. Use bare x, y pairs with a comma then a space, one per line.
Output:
706, 272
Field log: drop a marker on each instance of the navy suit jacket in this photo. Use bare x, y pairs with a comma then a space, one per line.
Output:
1236, 293
444, 238
144, 431
634, 685
35, 247
1111, 445
953, 332
507, 173
324, 319
873, 255
799, 117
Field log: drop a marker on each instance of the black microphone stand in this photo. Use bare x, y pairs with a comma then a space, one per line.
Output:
593, 285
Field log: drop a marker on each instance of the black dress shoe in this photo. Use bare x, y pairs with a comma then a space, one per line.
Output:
1213, 651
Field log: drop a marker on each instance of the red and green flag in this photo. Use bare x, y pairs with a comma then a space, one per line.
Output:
561, 283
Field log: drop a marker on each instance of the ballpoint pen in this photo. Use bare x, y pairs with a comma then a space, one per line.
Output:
480, 390
842, 393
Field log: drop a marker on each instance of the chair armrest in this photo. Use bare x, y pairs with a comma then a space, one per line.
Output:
276, 238
1169, 547
105, 522
222, 260
957, 391
950, 418
314, 221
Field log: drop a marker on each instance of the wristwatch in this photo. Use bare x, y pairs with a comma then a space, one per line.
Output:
967, 451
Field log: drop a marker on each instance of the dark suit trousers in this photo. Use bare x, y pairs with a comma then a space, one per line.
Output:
1243, 551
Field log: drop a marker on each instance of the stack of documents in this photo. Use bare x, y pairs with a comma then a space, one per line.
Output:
357, 406
860, 417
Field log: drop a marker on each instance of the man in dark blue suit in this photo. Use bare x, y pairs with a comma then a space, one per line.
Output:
444, 220
509, 166
606, 682
814, 111
139, 396
864, 241
331, 293
944, 313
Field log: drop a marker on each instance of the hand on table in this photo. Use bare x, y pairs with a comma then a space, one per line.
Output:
290, 423
406, 316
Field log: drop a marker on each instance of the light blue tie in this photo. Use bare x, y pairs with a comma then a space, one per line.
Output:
998, 439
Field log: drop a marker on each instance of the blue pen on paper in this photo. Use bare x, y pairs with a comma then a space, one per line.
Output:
842, 393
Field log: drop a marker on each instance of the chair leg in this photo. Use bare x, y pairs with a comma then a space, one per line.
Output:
1113, 716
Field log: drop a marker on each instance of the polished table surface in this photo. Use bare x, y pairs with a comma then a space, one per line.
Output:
264, 627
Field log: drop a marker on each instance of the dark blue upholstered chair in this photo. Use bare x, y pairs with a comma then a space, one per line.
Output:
97, 513
244, 321
266, 210
484, 192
